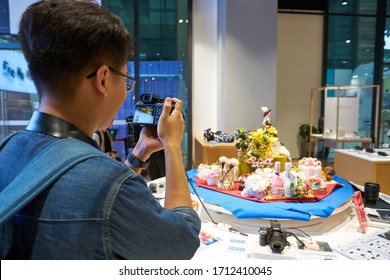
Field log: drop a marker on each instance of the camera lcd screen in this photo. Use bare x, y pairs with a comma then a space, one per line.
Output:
144, 114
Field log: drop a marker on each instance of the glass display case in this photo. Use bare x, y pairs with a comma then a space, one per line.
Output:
348, 115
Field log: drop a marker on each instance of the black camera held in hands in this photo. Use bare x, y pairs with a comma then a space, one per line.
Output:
148, 110
274, 236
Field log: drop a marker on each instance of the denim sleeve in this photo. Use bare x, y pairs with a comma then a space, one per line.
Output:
190, 216
140, 228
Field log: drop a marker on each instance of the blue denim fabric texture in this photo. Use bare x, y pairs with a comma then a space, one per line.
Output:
100, 209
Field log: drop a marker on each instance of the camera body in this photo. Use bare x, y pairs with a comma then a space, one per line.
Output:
148, 110
274, 236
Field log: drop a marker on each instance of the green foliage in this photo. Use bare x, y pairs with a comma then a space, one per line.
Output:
241, 139
304, 131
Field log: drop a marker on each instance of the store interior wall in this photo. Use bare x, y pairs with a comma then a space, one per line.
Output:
234, 63
251, 31
299, 69
204, 66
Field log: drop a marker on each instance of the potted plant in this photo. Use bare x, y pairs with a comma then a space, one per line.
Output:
304, 133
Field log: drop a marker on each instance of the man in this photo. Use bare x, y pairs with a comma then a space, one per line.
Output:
104, 139
101, 209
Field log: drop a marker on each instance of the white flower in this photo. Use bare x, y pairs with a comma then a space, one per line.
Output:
206, 171
257, 183
222, 159
283, 151
265, 172
234, 162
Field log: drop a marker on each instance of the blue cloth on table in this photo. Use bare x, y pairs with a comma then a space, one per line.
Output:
247, 209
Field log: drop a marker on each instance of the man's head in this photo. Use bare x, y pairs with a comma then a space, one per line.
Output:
65, 40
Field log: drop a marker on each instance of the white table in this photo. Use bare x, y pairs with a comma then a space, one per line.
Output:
341, 227
338, 229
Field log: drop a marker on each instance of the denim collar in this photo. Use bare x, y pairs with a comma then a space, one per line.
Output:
50, 125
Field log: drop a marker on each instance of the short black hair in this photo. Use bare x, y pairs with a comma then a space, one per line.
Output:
63, 40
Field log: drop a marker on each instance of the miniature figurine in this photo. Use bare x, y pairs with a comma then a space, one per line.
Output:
266, 117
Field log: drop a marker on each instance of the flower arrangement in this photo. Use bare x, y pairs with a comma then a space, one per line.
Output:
222, 173
258, 145
227, 173
259, 184
209, 173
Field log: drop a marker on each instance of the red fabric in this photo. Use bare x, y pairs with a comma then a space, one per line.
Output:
330, 186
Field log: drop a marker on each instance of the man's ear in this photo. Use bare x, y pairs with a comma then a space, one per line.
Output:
101, 79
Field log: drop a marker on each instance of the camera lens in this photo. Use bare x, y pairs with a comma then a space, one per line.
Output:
276, 245
277, 242
371, 193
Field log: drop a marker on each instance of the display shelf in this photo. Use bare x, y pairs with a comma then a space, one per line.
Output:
347, 114
209, 152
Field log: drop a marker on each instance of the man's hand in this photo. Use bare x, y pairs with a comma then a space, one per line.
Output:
171, 124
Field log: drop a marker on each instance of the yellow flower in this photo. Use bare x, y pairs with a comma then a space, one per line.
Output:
272, 130
258, 143
273, 140
257, 134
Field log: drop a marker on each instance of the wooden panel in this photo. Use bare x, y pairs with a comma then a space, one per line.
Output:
353, 169
208, 152
360, 171
383, 177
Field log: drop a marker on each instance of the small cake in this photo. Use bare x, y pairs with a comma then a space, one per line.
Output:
310, 166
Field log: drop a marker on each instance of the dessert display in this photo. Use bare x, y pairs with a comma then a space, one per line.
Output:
263, 170
268, 184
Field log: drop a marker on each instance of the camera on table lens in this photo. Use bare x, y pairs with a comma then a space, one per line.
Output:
274, 236
371, 192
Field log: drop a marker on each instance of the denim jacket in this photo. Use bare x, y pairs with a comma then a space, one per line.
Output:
100, 209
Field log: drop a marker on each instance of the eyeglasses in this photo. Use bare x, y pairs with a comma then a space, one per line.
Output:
130, 81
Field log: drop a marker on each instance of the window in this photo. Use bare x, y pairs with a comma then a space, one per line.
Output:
352, 56
160, 29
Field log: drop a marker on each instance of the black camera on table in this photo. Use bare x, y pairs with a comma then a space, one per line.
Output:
274, 236
148, 110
